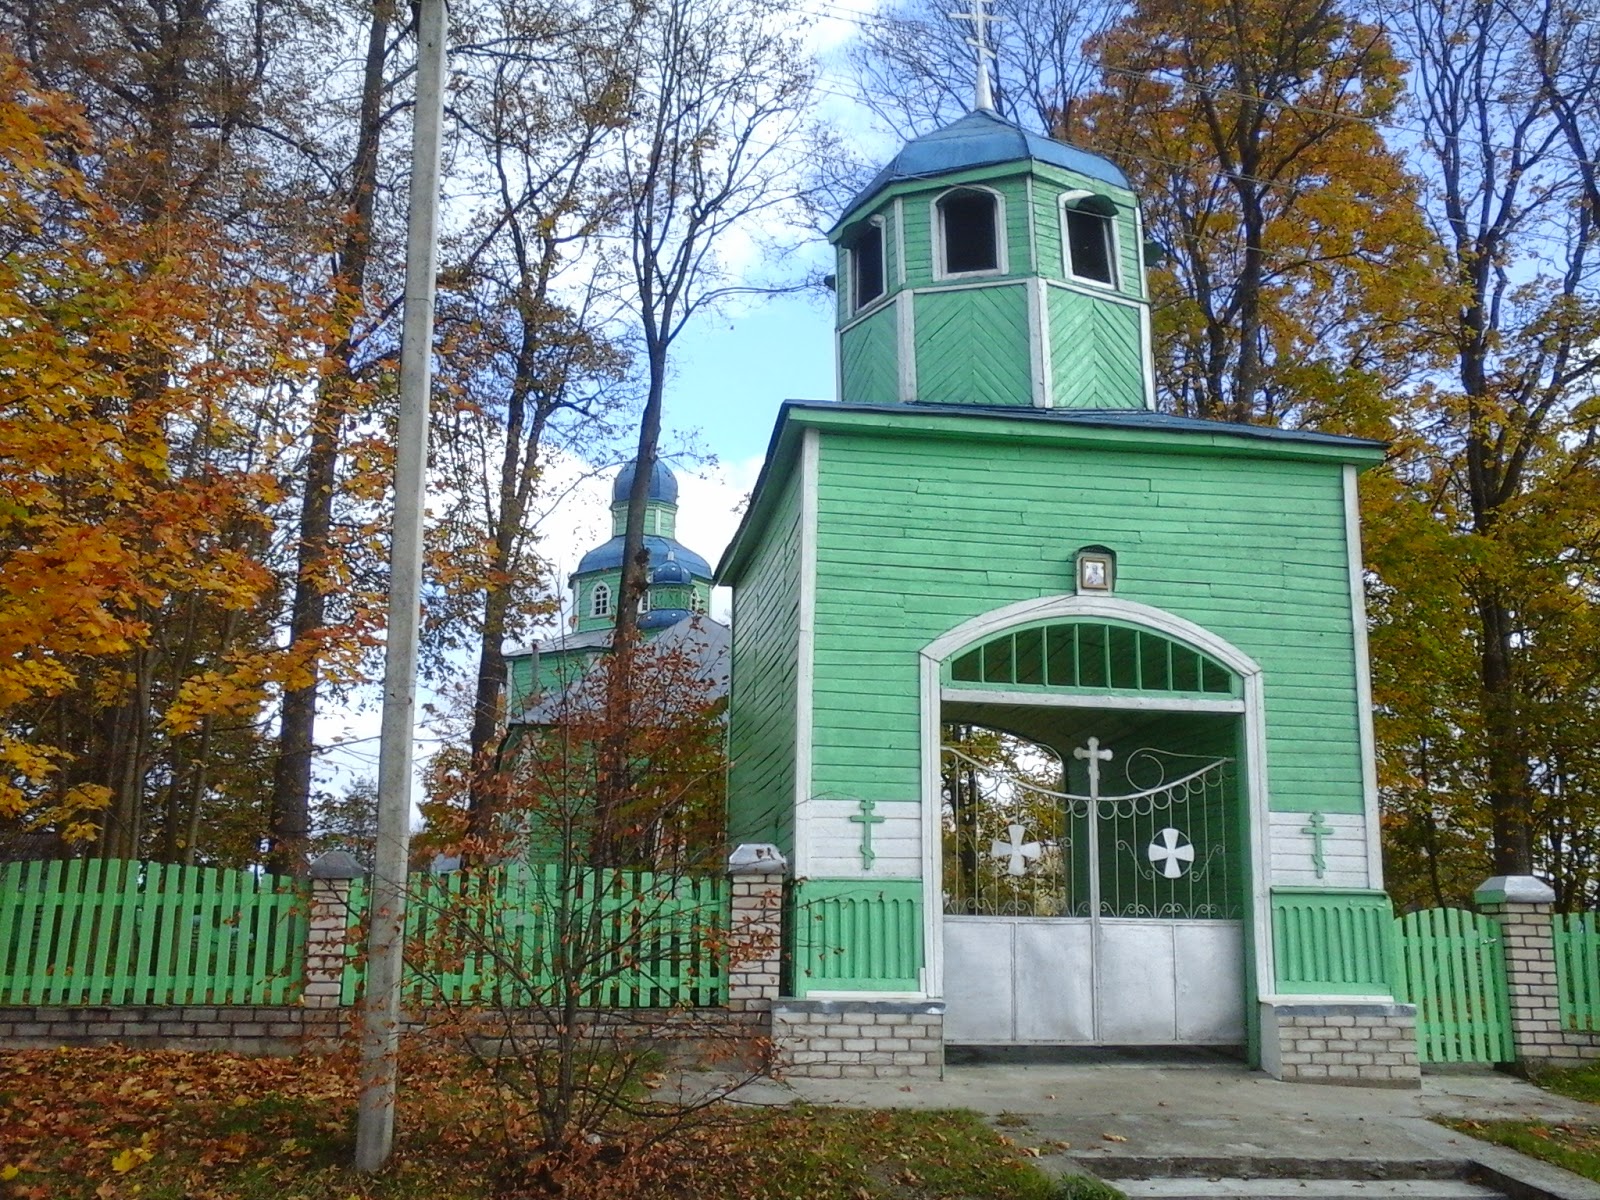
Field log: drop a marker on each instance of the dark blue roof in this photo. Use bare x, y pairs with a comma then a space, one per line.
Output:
663, 484
608, 557
981, 139
660, 618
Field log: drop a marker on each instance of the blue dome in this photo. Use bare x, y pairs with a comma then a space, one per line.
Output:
981, 139
660, 618
670, 572
663, 550
663, 484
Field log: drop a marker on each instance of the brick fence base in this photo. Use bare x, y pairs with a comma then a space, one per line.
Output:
1367, 1045
283, 1030
859, 1039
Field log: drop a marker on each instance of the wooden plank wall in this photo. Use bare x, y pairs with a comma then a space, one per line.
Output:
917, 535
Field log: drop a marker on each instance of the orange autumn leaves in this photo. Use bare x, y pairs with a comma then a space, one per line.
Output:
122, 344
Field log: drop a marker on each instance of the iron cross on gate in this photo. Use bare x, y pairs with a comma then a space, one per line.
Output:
1095, 757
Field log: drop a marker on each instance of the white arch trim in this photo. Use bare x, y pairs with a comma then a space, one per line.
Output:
1132, 612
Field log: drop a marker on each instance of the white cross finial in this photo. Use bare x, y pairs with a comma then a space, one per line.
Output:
981, 19
1095, 757
1016, 851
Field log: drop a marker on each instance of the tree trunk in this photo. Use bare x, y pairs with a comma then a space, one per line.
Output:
289, 819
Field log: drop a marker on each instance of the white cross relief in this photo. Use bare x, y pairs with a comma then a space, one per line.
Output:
1172, 852
1019, 853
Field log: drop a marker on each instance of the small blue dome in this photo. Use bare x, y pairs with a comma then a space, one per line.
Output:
670, 572
663, 484
659, 618
981, 139
663, 550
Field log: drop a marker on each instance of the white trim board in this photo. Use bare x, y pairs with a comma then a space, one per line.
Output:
1363, 665
805, 652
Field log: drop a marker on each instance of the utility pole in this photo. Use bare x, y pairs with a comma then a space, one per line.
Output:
380, 1027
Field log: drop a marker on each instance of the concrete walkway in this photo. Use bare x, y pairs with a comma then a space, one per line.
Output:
1157, 1119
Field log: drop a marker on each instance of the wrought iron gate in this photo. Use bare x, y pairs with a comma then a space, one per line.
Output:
1092, 918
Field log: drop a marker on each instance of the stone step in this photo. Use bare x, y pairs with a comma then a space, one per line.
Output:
1218, 1188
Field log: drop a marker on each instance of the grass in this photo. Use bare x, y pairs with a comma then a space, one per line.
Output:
111, 1123
1574, 1145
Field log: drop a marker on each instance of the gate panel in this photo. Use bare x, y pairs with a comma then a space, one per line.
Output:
1450, 963
1577, 946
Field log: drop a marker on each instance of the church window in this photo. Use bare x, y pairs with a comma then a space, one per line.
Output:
1091, 245
600, 601
969, 231
697, 602
644, 602
866, 265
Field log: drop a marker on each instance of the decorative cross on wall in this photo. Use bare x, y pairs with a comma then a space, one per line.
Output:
1317, 830
1018, 852
867, 820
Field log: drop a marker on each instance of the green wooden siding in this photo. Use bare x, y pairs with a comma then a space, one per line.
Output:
869, 358
972, 346
1332, 942
1577, 947
762, 710
1096, 352
854, 935
633, 939
917, 534
103, 932
1450, 963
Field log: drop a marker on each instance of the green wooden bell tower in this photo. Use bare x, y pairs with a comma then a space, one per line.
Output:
989, 265
992, 526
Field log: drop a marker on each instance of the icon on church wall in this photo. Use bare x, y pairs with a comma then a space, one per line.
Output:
1096, 569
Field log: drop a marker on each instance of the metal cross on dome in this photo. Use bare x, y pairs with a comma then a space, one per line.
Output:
1172, 852
981, 19
1016, 851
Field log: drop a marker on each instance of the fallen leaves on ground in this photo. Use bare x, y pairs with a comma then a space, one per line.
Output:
115, 1123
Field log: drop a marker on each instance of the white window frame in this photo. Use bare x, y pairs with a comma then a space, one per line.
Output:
600, 600
1071, 202
936, 223
883, 269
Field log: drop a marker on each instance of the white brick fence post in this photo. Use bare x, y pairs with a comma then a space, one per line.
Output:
755, 927
1522, 906
329, 928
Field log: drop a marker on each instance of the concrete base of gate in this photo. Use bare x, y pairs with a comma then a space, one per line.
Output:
1357, 1044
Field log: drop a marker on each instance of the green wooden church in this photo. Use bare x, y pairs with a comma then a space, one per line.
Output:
992, 528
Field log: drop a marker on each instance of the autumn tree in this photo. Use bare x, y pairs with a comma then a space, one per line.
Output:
131, 532
1504, 98
528, 319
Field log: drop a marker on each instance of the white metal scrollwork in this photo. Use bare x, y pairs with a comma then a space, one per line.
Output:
1014, 848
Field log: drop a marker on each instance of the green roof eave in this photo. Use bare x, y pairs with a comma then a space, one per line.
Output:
1135, 428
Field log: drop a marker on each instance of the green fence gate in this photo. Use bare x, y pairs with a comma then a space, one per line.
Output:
1450, 963
1577, 946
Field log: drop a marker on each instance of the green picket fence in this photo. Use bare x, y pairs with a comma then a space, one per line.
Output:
1577, 945
1450, 963
93, 931
632, 939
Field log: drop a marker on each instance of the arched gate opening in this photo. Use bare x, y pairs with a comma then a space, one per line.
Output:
1094, 839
